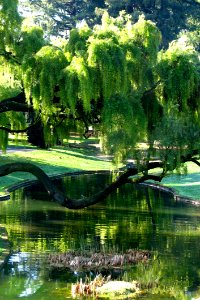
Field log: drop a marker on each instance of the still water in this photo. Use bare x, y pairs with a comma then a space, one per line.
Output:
129, 218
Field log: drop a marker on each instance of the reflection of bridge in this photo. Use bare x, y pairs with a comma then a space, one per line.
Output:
4, 246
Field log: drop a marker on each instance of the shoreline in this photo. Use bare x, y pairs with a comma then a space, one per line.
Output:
177, 197
160, 187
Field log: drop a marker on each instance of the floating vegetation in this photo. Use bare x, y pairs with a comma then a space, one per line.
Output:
97, 260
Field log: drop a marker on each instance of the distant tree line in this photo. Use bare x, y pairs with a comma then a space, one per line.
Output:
57, 17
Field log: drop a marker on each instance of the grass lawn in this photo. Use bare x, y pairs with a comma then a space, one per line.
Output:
64, 159
54, 161
186, 185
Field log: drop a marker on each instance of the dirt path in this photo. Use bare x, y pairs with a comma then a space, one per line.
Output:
12, 149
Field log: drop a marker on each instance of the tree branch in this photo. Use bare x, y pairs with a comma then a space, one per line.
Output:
16, 103
14, 131
9, 56
83, 202
20, 98
147, 92
14, 106
195, 161
147, 177
63, 200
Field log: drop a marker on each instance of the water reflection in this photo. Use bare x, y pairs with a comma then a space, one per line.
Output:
28, 267
130, 218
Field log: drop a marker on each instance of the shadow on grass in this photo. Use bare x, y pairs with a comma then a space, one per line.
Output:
68, 162
80, 148
81, 154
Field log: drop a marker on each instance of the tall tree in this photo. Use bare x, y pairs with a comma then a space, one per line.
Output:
114, 78
171, 16
60, 16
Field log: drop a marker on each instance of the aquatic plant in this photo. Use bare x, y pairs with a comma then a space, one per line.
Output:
102, 287
97, 260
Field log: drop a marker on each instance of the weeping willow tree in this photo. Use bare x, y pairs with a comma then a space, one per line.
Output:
10, 23
112, 77
179, 94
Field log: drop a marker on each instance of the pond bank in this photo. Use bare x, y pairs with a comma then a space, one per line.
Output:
172, 192
160, 187
67, 161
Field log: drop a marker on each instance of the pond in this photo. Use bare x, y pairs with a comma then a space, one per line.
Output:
131, 218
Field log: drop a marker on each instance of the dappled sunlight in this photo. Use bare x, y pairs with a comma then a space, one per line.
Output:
55, 161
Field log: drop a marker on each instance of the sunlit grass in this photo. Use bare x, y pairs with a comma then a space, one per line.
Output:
54, 161
187, 185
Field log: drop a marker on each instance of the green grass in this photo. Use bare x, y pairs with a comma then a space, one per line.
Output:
186, 185
54, 161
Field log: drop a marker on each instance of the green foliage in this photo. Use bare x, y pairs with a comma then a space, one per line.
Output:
6, 91
11, 120
114, 78
109, 59
191, 37
41, 76
180, 76
9, 23
140, 42
60, 16
123, 125
77, 84
178, 134
171, 16
77, 41
69, 92
32, 37
3, 140
148, 36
